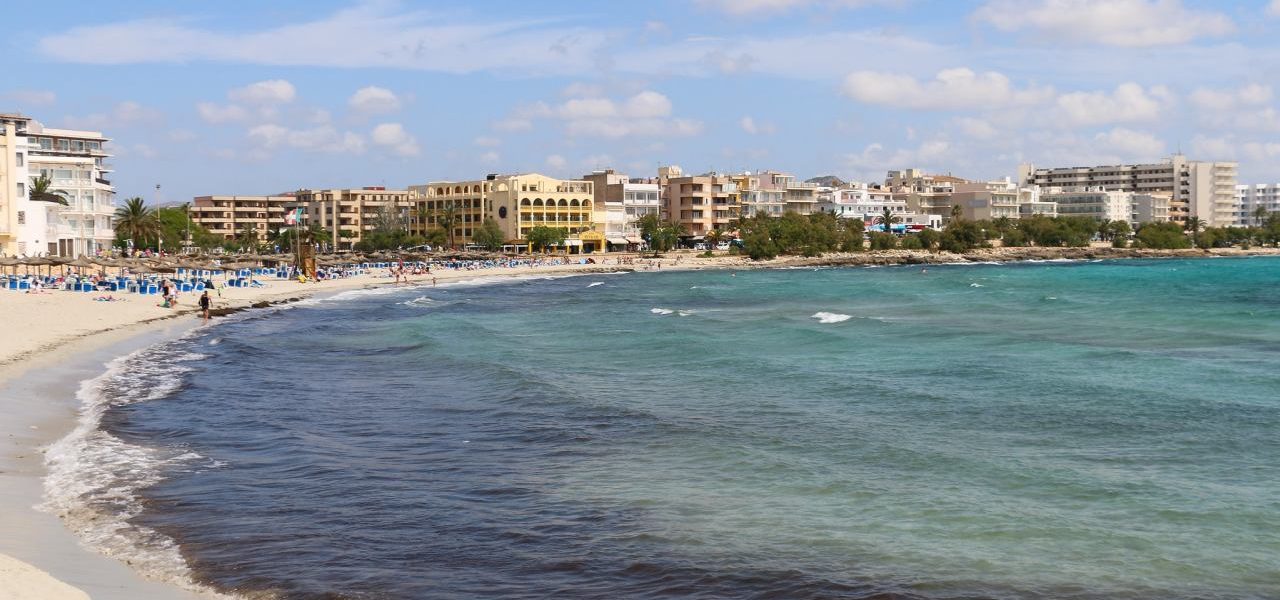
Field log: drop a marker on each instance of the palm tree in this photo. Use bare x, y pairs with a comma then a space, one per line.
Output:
1003, 225
40, 191
887, 219
446, 217
1104, 229
957, 212
136, 221
248, 237
1194, 225
1260, 215
713, 238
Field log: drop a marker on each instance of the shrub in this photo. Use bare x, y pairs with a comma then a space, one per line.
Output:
883, 241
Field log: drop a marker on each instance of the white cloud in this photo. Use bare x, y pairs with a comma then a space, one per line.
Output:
875, 159
393, 137
1131, 23
272, 91
557, 162
324, 139
1135, 145
37, 98
753, 7
374, 100
578, 89
182, 135
749, 125
487, 141
490, 157
1273, 8
977, 128
1225, 100
124, 114
215, 113
644, 114
375, 34
1129, 102
950, 89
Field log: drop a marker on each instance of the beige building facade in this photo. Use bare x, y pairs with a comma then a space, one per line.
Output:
228, 216
700, 203
347, 214
518, 203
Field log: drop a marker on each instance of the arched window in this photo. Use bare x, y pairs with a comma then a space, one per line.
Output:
573, 202
440, 191
457, 189
563, 202
524, 202
586, 204
475, 189
537, 202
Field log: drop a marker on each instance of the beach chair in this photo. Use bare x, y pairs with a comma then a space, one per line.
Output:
24, 285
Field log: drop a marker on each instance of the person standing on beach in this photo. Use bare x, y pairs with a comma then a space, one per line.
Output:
204, 306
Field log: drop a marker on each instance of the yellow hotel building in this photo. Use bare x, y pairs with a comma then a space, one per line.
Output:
518, 203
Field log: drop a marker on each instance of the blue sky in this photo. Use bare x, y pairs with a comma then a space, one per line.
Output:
245, 97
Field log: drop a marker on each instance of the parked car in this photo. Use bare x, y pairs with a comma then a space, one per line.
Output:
699, 246
722, 246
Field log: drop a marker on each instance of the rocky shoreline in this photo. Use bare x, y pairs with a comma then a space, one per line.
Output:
921, 257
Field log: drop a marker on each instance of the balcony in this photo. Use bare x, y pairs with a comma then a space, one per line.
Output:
102, 181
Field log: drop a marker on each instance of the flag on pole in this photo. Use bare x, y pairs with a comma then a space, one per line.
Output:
291, 217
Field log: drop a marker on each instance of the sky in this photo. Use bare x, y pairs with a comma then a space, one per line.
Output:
244, 97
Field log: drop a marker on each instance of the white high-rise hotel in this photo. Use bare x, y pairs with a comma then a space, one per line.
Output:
1206, 190
75, 163
1250, 198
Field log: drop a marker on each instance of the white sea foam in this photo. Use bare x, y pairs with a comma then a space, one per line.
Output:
420, 301
595, 283
975, 285
684, 313
827, 317
95, 478
661, 311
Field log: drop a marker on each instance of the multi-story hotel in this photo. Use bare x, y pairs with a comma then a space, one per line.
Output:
75, 163
1109, 205
518, 203
1249, 198
625, 201
1197, 188
229, 216
701, 203
926, 194
348, 213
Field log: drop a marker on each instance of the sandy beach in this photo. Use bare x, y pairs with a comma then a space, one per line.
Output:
55, 340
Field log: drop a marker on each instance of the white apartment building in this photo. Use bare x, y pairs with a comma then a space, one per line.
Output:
926, 194
75, 163
1096, 203
1197, 188
620, 203
988, 200
1249, 198
862, 202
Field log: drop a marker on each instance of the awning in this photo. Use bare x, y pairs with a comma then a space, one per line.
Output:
634, 240
619, 241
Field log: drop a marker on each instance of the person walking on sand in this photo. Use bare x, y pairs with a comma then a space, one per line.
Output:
204, 306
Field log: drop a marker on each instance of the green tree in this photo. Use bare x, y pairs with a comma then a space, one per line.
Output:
851, 234
489, 235
447, 216
713, 238
41, 192
957, 212
1163, 236
929, 239
1104, 229
887, 219
138, 222
247, 238
1260, 215
883, 241
1120, 232
436, 237
1194, 225
542, 237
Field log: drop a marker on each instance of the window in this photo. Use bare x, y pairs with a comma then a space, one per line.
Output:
22, 217
46, 143
95, 145
19, 159
22, 193
64, 145
78, 145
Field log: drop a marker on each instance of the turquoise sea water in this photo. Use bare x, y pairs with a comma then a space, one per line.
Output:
1051, 430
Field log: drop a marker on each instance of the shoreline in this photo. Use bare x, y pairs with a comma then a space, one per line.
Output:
38, 394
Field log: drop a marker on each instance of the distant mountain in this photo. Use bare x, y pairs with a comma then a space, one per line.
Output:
827, 180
